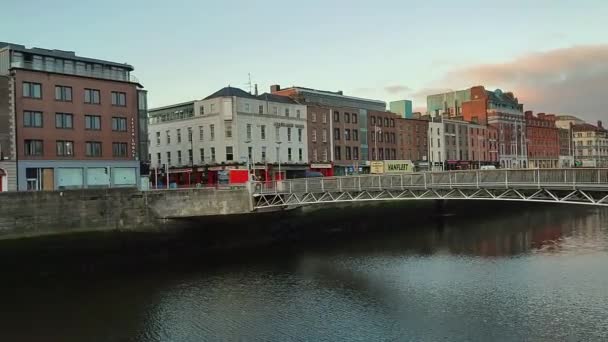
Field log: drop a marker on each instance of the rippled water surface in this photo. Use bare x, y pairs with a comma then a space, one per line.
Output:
537, 275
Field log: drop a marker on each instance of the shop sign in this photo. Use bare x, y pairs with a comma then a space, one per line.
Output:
376, 167
398, 166
320, 166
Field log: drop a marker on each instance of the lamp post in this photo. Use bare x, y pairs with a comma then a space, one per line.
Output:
279, 159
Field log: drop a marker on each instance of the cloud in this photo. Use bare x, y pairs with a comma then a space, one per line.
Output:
569, 80
396, 89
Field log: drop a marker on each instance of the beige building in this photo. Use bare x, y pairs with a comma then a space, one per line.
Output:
590, 145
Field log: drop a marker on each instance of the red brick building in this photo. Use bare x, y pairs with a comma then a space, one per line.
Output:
76, 122
383, 130
542, 140
413, 140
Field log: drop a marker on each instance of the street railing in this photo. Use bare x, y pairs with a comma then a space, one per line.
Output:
503, 178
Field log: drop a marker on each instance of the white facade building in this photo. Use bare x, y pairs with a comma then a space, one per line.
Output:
436, 143
232, 126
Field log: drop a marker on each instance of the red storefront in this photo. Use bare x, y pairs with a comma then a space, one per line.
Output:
326, 169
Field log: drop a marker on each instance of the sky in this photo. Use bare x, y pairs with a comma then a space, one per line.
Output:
552, 54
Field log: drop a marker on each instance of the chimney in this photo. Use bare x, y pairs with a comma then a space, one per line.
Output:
599, 124
256, 89
340, 92
274, 88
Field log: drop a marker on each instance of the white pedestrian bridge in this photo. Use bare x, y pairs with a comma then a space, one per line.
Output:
573, 186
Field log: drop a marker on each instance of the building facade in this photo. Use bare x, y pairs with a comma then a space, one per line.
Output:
73, 122
542, 140
383, 134
413, 141
590, 145
403, 108
229, 129
343, 115
566, 158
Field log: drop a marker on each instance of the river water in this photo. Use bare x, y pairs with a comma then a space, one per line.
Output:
537, 273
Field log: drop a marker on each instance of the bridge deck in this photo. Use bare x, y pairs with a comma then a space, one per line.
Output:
584, 186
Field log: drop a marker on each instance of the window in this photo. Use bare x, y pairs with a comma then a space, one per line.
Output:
300, 154
278, 149
275, 110
202, 110
32, 90
158, 138
64, 120
289, 154
212, 132
250, 153
337, 153
381, 154
324, 117
201, 133
190, 157
314, 155
354, 120
32, 119
336, 117
248, 131
119, 124
189, 134
355, 135
314, 135
379, 122
324, 155
33, 148
277, 134
324, 135
202, 155
348, 156
336, 134
261, 109
93, 149
347, 134
119, 149
179, 136
168, 158
229, 155
119, 99
298, 113
212, 109
158, 158
63, 93
299, 135
287, 112
263, 132
247, 107
288, 133
92, 122
313, 117
168, 137
392, 122
373, 120
212, 153
263, 154
346, 117
91, 96
355, 153
228, 130
179, 157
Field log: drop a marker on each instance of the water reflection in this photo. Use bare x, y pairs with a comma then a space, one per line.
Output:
538, 275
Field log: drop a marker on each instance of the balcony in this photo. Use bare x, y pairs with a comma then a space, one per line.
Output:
106, 73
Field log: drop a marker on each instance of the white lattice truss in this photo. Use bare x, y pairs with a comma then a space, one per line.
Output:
573, 196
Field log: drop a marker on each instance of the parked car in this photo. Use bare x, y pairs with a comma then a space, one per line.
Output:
313, 174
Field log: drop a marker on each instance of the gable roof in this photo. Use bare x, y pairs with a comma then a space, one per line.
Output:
228, 92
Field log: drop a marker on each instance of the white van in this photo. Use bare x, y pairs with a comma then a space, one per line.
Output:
488, 167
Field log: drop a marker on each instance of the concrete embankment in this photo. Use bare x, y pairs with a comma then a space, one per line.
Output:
34, 214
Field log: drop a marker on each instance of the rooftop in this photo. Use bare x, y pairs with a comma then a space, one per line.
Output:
70, 55
230, 91
332, 94
182, 104
276, 98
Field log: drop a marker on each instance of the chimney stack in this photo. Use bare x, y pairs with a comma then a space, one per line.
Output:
599, 124
256, 89
274, 88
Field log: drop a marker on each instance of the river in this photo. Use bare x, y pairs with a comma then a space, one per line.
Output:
537, 273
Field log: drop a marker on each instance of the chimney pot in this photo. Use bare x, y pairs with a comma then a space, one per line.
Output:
274, 88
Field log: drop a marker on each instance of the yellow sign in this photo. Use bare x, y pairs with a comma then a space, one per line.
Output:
398, 166
376, 167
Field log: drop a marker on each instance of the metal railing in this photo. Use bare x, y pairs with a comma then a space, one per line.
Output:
578, 178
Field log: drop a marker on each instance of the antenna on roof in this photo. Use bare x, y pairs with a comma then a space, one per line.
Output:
249, 82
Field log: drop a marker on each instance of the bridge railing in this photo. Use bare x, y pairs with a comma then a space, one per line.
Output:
506, 178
